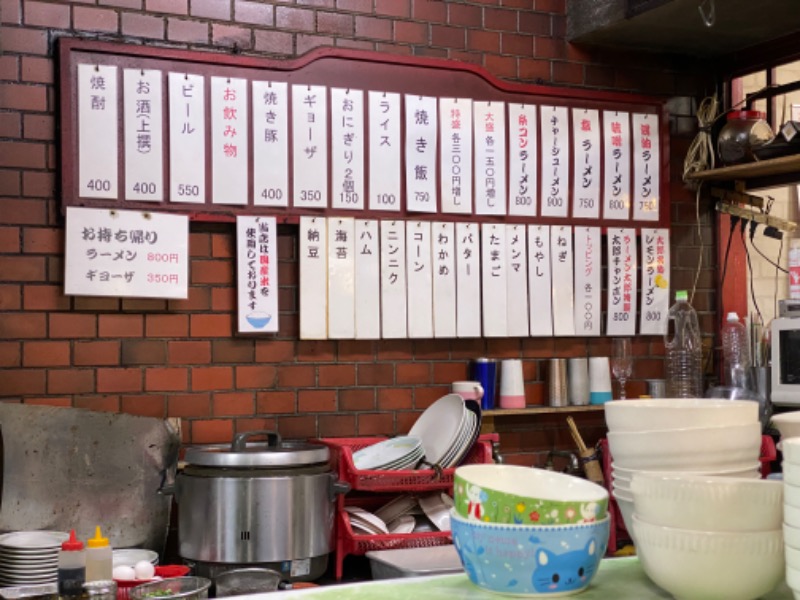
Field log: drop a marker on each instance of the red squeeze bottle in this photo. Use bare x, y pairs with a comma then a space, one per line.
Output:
71, 567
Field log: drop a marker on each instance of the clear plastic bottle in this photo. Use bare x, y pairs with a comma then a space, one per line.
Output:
735, 352
99, 563
71, 567
684, 362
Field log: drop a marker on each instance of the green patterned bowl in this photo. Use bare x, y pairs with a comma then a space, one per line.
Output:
526, 496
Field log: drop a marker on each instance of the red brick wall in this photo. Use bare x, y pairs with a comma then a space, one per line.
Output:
180, 358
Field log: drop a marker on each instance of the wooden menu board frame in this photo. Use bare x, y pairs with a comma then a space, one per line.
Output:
332, 68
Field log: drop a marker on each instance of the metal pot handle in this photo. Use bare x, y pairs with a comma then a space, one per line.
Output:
240, 439
337, 487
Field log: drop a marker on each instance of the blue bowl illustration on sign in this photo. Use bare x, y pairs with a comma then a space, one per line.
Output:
258, 319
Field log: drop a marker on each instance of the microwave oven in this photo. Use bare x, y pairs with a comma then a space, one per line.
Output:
785, 348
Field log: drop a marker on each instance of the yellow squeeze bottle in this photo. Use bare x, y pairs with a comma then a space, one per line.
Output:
98, 557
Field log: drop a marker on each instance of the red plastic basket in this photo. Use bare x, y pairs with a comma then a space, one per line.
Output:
421, 480
124, 586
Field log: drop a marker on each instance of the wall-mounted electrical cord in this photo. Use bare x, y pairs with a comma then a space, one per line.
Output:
750, 271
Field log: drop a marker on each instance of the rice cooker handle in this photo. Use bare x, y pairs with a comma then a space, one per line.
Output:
337, 487
240, 439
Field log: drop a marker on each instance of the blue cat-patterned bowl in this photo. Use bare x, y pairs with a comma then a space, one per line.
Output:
530, 560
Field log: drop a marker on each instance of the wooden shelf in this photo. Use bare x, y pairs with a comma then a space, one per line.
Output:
537, 410
760, 174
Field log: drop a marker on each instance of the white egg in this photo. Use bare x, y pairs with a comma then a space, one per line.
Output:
124, 573
144, 570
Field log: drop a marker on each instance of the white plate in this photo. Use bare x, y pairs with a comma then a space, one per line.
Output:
386, 452
462, 445
367, 518
128, 557
402, 524
28, 560
396, 508
29, 540
439, 426
436, 510
26, 571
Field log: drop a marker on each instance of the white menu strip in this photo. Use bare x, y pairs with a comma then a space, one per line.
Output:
257, 270
646, 167
563, 286
270, 143
393, 280
230, 162
588, 255
523, 160
555, 160
384, 151
313, 278
621, 282
455, 120
468, 280
540, 281
586, 172
490, 157
341, 279
494, 279
617, 160
310, 146
347, 148
187, 138
97, 131
517, 280
420, 279
368, 280
655, 281
144, 135
444, 279
421, 155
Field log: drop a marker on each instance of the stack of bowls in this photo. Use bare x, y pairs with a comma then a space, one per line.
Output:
707, 537
791, 510
695, 435
525, 531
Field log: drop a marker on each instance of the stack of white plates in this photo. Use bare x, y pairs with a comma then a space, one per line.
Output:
364, 522
394, 454
447, 429
30, 557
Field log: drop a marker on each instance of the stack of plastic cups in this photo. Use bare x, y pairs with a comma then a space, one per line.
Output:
599, 380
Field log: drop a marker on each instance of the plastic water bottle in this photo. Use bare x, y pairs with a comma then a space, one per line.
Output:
684, 366
735, 352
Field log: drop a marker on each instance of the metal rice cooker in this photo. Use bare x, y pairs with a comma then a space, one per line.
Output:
268, 504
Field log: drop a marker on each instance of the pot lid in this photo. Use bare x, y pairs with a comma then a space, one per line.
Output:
244, 453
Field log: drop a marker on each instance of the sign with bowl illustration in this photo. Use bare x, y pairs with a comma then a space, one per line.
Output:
257, 264
509, 494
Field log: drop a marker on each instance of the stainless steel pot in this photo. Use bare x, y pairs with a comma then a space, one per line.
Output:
257, 504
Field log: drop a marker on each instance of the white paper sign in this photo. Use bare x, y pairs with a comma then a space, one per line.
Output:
144, 135
270, 143
313, 278
617, 156
443, 238
97, 131
341, 279
368, 280
490, 158
517, 280
347, 148
563, 286
257, 267
621, 282
230, 160
468, 280
455, 122
187, 138
555, 160
310, 146
523, 160
540, 281
421, 135
494, 280
393, 280
126, 253
586, 173
419, 268
588, 284
384, 151
646, 167
655, 282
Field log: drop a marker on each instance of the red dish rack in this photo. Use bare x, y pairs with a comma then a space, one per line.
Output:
384, 484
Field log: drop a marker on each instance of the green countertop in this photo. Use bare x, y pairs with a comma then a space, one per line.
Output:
617, 579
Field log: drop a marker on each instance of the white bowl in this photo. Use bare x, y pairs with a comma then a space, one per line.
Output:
792, 557
704, 448
791, 494
791, 473
751, 471
712, 565
791, 515
708, 503
677, 413
626, 510
791, 536
790, 447
787, 423
793, 579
